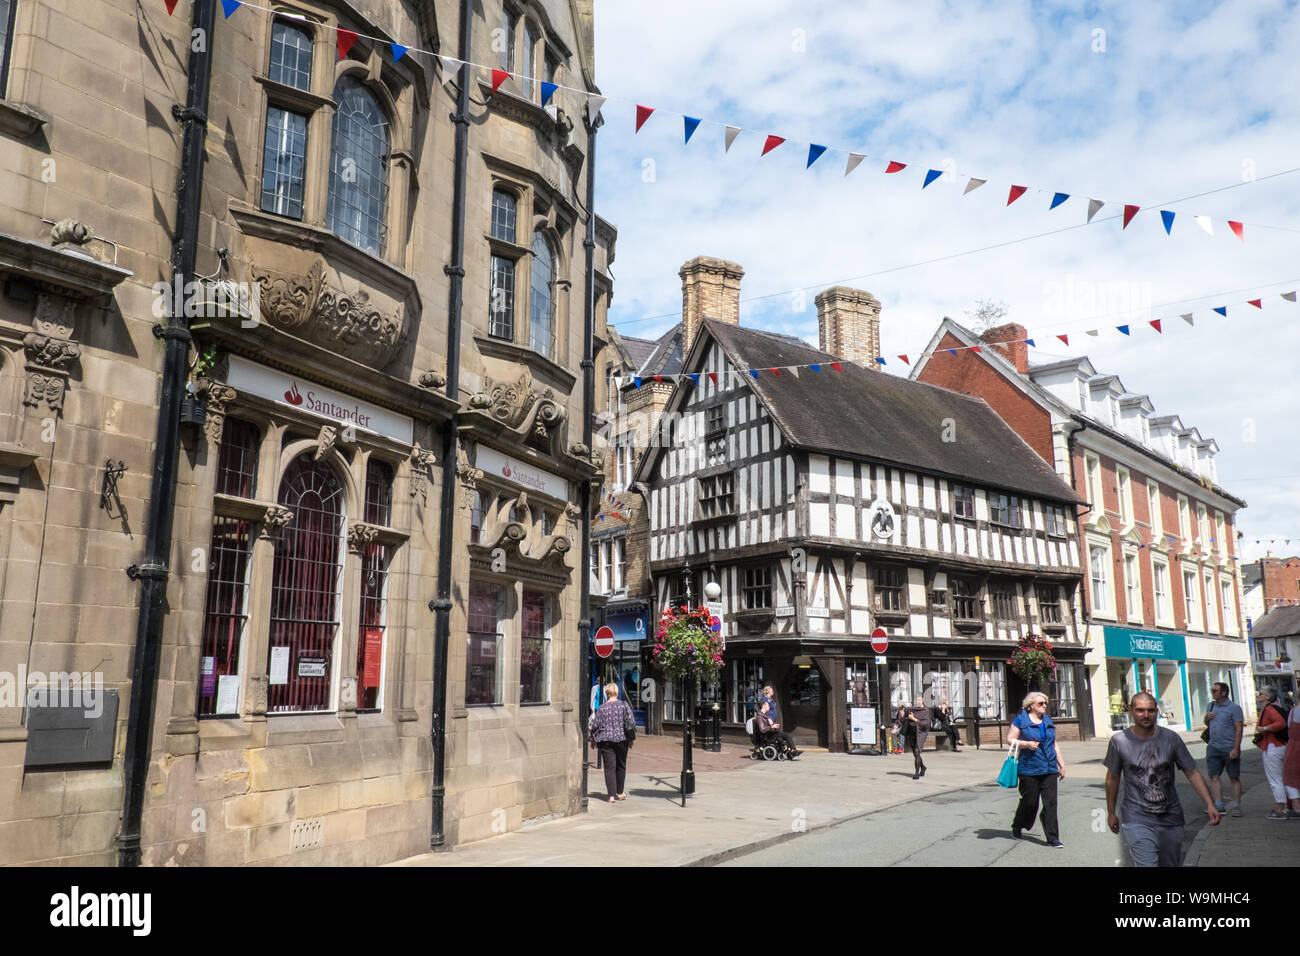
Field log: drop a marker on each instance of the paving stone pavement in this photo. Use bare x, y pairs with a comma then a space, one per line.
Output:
741, 805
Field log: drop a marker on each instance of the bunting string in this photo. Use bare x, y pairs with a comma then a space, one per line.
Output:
595, 102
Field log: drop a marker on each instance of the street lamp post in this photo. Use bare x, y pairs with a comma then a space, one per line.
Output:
688, 685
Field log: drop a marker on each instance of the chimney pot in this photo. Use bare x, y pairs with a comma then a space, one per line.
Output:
1009, 340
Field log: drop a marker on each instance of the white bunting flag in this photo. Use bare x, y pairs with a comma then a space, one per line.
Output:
973, 184
1093, 206
450, 69
732, 133
1204, 223
853, 161
794, 370
1094, 332
1289, 296
1187, 317
594, 104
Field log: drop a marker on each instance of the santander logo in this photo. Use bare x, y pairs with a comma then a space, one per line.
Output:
505, 471
293, 397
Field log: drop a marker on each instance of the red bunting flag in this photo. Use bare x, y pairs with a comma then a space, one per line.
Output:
771, 143
1257, 303
1064, 338
616, 514
171, 6
975, 348
894, 167
713, 377
642, 114
1129, 212
1237, 229
836, 366
345, 39
658, 378
1155, 324
1016, 193
775, 371
905, 361
499, 77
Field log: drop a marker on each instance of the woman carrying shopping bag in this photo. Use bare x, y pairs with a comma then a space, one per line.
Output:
1040, 766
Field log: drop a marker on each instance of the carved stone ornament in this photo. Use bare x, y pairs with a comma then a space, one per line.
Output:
421, 472
50, 352
535, 416
219, 395
325, 441
257, 694
315, 309
432, 379
361, 536
69, 232
348, 693
274, 522
469, 476
579, 450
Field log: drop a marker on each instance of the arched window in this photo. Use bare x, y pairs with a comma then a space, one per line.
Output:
305, 606
358, 175
542, 305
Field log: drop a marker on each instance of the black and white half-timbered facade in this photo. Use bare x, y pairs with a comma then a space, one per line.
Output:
828, 503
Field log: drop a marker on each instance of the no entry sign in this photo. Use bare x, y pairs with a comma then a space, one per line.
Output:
604, 642
879, 640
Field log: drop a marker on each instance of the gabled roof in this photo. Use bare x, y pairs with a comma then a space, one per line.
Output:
666, 359
864, 414
1251, 575
1279, 622
638, 350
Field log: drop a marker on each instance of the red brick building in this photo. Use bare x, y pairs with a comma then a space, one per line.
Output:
1162, 608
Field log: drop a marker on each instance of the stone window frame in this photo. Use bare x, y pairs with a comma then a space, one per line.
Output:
535, 212
393, 86
6, 56
285, 436
547, 56
1164, 614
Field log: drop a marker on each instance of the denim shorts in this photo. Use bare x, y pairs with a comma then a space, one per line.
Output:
1216, 763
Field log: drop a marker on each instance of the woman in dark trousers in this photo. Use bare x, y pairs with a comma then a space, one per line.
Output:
917, 728
944, 722
611, 731
1040, 766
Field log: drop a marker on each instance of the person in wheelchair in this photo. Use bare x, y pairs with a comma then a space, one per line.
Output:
766, 733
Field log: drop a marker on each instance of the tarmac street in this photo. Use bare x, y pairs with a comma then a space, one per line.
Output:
837, 810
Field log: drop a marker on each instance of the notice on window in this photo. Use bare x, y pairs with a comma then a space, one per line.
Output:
280, 665
228, 694
862, 725
208, 675
374, 656
311, 667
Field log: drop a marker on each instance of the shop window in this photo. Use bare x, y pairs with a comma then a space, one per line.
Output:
483, 660
889, 589
746, 679
224, 617
963, 501
1060, 692
305, 606
535, 650
992, 690
758, 588
237, 459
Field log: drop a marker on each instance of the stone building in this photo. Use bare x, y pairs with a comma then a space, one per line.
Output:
293, 718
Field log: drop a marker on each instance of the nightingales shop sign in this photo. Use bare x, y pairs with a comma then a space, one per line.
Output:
1124, 644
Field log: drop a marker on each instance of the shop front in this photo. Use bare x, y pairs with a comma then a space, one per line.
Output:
626, 664
1148, 661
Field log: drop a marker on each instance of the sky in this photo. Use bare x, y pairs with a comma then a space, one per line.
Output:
1146, 103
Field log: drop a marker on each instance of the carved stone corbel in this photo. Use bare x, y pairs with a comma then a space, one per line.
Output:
219, 395
432, 379
50, 352
421, 472
348, 694
325, 441
469, 477
274, 523
257, 695
361, 536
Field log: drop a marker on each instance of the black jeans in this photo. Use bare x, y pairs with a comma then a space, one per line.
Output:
613, 757
953, 736
1033, 788
917, 740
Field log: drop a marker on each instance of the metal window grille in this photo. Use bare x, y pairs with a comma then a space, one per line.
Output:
535, 650
379, 493
501, 300
542, 311
305, 606
283, 162
483, 660
237, 459
373, 625
758, 587
358, 175
1049, 604
889, 590
963, 501
290, 56
225, 609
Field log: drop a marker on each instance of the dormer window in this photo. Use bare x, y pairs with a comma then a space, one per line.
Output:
1083, 397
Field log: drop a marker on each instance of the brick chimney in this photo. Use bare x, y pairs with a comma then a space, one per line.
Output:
1009, 340
848, 324
710, 290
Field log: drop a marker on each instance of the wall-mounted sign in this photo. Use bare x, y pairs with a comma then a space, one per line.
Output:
881, 522
627, 625
516, 472
1144, 645
785, 610
311, 667
819, 612
285, 388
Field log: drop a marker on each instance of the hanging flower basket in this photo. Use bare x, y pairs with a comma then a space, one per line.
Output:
1032, 660
686, 645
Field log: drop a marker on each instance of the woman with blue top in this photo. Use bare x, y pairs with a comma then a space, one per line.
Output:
1040, 766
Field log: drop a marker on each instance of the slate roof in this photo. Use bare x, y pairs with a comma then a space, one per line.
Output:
638, 350
666, 359
859, 413
1251, 575
1279, 622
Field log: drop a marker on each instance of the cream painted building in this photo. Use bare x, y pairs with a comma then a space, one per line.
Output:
294, 696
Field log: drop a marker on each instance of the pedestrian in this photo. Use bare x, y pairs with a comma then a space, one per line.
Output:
1144, 756
613, 731
896, 729
945, 720
916, 728
768, 726
769, 695
1040, 767
1272, 720
1291, 765
1224, 721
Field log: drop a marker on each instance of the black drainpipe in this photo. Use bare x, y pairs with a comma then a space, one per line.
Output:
584, 494
153, 573
441, 605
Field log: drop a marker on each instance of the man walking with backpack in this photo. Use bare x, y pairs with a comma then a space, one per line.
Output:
1223, 724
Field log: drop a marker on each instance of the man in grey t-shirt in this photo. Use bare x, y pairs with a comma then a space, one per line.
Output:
1223, 750
1145, 756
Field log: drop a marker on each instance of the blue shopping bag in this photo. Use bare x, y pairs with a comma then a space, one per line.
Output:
1009, 775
